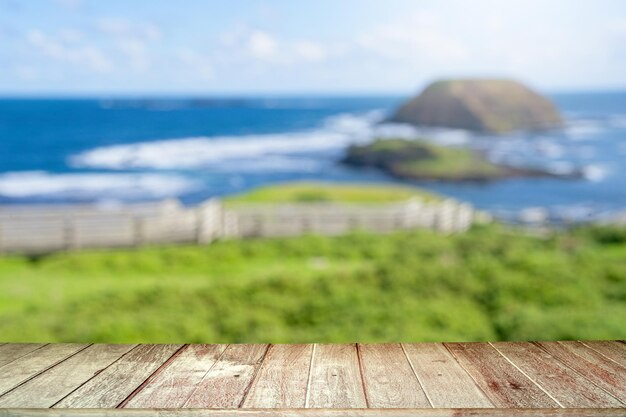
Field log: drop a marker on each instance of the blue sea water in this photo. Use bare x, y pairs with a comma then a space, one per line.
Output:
101, 150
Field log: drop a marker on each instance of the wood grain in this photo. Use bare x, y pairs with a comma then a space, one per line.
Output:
388, 378
35, 362
566, 386
282, 379
445, 382
594, 366
503, 383
336, 378
331, 380
111, 386
173, 385
226, 383
614, 350
12, 351
373, 412
52, 385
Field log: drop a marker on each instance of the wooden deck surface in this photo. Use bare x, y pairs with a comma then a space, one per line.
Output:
431, 379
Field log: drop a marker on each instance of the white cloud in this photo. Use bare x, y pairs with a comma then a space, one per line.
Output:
417, 39
26, 72
198, 63
80, 55
262, 45
243, 43
132, 40
542, 43
71, 35
310, 51
124, 28
137, 53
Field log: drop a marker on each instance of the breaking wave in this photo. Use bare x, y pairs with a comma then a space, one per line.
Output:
194, 152
93, 185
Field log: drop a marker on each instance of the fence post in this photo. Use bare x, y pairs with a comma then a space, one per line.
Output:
230, 224
443, 217
411, 212
208, 214
138, 226
200, 224
258, 226
69, 233
353, 222
305, 223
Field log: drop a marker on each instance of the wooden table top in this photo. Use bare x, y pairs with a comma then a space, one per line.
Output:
430, 379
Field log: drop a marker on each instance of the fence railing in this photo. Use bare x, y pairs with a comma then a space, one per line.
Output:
36, 229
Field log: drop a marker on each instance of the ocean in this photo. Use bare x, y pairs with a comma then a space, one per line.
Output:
120, 150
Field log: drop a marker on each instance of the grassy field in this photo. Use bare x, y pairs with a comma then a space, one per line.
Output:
487, 284
314, 192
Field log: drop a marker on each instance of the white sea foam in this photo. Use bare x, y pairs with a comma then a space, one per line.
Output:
584, 129
618, 121
194, 152
586, 152
595, 173
561, 168
203, 151
273, 164
549, 149
92, 186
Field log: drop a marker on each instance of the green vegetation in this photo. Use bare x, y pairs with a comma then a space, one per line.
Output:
312, 192
419, 159
490, 283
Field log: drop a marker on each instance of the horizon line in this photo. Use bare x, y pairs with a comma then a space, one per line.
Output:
257, 94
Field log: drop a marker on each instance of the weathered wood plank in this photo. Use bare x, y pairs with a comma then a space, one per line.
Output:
173, 385
613, 350
336, 380
282, 379
343, 377
373, 412
564, 385
502, 382
111, 386
226, 383
445, 382
35, 362
12, 351
594, 366
47, 388
388, 378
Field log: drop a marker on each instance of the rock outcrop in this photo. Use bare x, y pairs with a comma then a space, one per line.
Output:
491, 106
422, 160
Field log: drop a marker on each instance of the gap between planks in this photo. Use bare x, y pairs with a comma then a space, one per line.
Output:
254, 376
358, 349
152, 376
526, 375
419, 381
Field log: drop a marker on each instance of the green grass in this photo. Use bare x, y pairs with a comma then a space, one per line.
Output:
488, 284
313, 192
449, 163
420, 159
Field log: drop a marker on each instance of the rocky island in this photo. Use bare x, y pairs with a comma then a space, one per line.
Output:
422, 160
482, 105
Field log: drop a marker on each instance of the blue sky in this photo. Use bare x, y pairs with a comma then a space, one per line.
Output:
287, 46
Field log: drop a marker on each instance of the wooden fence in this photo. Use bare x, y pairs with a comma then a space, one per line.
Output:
37, 229
334, 219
